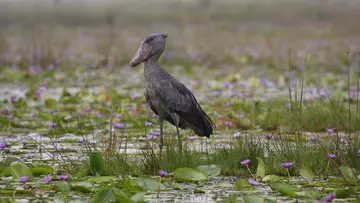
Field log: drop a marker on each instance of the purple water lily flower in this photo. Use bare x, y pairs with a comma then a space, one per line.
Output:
9, 117
23, 179
3, 145
52, 111
342, 140
330, 197
228, 124
92, 141
286, 164
163, 173
67, 118
32, 115
47, 178
253, 182
52, 125
156, 134
245, 162
51, 67
34, 70
13, 100
151, 137
268, 136
314, 139
148, 123
40, 91
329, 130
358, 152
99, 115
119, 125
81, 141
62, 177
331, 156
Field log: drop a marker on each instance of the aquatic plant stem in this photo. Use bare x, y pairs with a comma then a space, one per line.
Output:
288, 172
158, 190
247, 166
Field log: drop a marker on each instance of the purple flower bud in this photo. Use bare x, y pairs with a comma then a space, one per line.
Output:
342, 140
51, 111
23, 179
99, 115
245, 162
3, 145
47, 178
148, 123
163, 173
51, 67
287, 164
253, 182
119, 125
92, 141
13, 100
156, 134
62, 177
268, 136
331, 156
151, 137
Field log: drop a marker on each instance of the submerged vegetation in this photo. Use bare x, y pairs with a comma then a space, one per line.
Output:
282, 87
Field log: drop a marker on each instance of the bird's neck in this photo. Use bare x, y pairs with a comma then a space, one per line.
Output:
152, 62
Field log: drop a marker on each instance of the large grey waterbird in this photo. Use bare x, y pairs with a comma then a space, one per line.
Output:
167, 97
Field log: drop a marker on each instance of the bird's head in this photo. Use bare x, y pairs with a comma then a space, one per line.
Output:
152, 45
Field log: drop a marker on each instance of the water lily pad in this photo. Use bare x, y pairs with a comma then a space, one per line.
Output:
19, 169
257, 199
97, 163
102, 179
343, 193
308, 174
62, 187
150, 184
261, 170
284, 189
313, 194
189, 174
138, 197
111, 194
271, 178
210, 170
347, 173
242, 184
38, 171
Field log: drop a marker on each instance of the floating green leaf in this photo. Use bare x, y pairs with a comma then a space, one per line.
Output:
150, 184
97, 163
347, 173
210, 170
51, 103
138, 197
284, 189
38, 171
62, 186
189, 174
271, 178
308, 174
242, 184
261, 171
343, 193
19, 169
111, 194
313, 194
102, 179
257, 199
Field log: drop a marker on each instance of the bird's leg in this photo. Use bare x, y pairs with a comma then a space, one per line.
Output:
161, 136
176, 120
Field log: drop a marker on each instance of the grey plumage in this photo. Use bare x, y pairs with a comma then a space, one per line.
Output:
167, 97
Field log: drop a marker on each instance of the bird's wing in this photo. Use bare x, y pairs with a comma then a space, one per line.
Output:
178, 97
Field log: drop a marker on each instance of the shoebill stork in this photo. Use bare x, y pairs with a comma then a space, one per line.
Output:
168, 98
